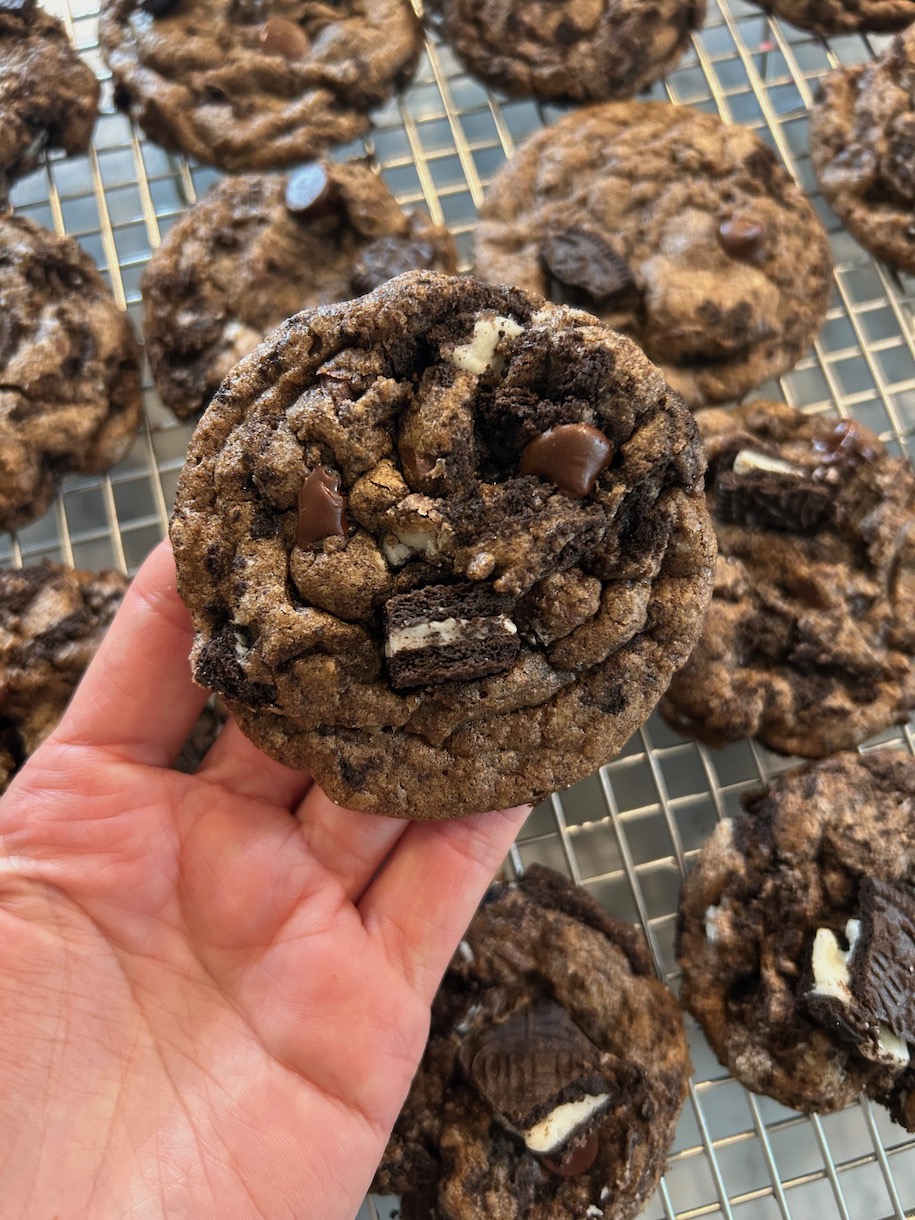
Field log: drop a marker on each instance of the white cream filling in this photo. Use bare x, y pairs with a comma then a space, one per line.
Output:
399, 547
560, 1124
441, 632
480, 353
749, 460
711, 927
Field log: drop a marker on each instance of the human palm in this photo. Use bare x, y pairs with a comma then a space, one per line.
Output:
214, 989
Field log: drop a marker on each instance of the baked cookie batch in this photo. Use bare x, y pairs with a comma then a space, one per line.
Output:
447, 542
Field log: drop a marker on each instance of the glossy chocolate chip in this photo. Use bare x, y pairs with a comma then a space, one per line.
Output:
282, 37
581, 1160
386, 257
844, 445
322, 508
569, 455
742, 238
582, 264
310, 191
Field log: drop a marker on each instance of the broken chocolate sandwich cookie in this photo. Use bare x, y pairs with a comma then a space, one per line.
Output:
443, 545
555, 1070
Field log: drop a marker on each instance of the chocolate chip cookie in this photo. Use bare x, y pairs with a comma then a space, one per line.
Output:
326, 233
681, 232
797, 936
580, 50
809, 644
843, 16
69, 373
862, 144
555, 1070
256, 84
443, 545
48, 96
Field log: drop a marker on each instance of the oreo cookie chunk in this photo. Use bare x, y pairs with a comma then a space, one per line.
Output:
69, 374
797, 936
589, 52
809, 644
862, 144
48, 96
326, 233
843, 16
251, 84
678, 230
555, 1070
443, 545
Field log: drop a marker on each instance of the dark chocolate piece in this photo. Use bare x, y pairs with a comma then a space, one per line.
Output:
844, 445
569, 455
585, 262
742, 238
772, 501
310, 191
388, 256
883, 964
158, 8
448, 632
580, 1161
322, 509
282, 37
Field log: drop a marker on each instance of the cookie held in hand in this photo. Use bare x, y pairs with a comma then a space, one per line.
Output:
443, 545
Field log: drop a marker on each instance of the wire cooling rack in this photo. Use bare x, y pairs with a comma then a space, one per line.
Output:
629, 833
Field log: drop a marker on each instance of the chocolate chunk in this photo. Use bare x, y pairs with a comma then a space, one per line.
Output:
386, 257
448, 632
310, 191
586, 266
844, 445
580, 1161
322, 509
883, 965
158, 8
522, 1066
282, 37
569, 455
772, 501
742, 238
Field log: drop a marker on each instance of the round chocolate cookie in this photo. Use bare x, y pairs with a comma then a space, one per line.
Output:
256, 84
69, 377
681, 232
862, 144
843, 16
555, 1071
256, 250
48, 96
443, 545
809, 644
582, 50
797, 936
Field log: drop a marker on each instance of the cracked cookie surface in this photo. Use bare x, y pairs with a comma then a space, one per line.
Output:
48, 95
555, 1070
809, 643
256, 84
369, 467
69, 374
843, 16
580, 50
797, 936
862, 144
326, 233
678, 230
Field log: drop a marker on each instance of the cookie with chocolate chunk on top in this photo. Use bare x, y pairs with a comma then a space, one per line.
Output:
443, 545
797, 936
257, 249
809, 644
681, 231
555, 1070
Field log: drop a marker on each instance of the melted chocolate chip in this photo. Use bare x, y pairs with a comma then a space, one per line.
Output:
883, 966
386, 257
310, 191
282, 37
584, 268
581, 1160
322, 509
771, 501
844, 445
742, 238
569, 455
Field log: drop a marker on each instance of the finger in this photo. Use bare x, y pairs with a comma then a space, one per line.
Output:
137, 696
349, 845
235, 762
424, 897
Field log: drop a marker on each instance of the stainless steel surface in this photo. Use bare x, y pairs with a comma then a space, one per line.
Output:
628, 833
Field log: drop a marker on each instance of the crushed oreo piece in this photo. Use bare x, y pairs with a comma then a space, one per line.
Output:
321, 507
310, 191
569, 455
448, 633
284, 38
386, 257
742, 238
769, 500
883, 966
584, 268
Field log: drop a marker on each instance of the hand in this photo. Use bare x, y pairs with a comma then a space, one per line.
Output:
214, 989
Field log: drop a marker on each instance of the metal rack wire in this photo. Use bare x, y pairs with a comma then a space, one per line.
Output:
628, 833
